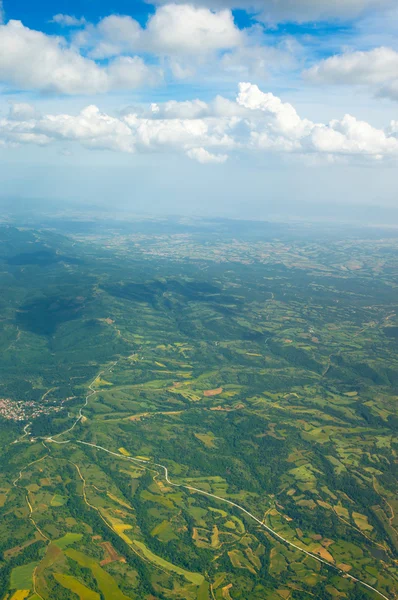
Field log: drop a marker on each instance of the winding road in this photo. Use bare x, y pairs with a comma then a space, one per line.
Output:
150, 464
80, 413
242, 509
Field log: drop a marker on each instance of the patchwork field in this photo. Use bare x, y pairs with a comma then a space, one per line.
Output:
203, 416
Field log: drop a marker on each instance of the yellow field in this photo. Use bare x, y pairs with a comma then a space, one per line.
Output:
20, 595
195, 578
118, 500
361, 521
322, 552
124, 452
119, 527
207, 439
102, 382
70, 583
215, 538
341, 511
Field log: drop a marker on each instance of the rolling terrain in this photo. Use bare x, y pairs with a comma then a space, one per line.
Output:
198, 411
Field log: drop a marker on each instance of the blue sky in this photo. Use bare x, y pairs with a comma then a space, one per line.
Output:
39, 14
253, 103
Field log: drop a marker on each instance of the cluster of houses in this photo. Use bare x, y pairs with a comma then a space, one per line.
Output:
18, 410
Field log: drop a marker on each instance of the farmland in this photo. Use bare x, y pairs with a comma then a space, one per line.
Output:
202, 415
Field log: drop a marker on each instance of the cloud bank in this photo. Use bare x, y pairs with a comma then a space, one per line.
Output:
376, 69
301, 11
255, 123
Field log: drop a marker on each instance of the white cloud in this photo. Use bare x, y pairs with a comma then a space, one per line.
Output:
22, 111
68, 20
176, 29
256, 122
205, 157
112, 36
188, 39
32, 60
281, 117
282, 11
179, 133
350, 136
188, 109
377, 69
173, 30
184, 40
130, 133
283, 130
370, 67
91, 128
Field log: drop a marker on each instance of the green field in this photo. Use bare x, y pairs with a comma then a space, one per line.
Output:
195, 578
105, 582
70, 583
67, 540
22, 577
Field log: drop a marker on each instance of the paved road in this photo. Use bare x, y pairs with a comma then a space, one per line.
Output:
242, 509
191, 488
80, 413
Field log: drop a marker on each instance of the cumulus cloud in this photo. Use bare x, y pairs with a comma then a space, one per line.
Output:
187, 38
32, 60
182, 39
377, 69
204, 157
68, 20
112, 36
130, 133
172, 30
281, 117
186, 28
282, 11
282, 129
350, 136
256, 122
90, 127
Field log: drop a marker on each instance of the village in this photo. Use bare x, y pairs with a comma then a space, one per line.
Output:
20, 411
